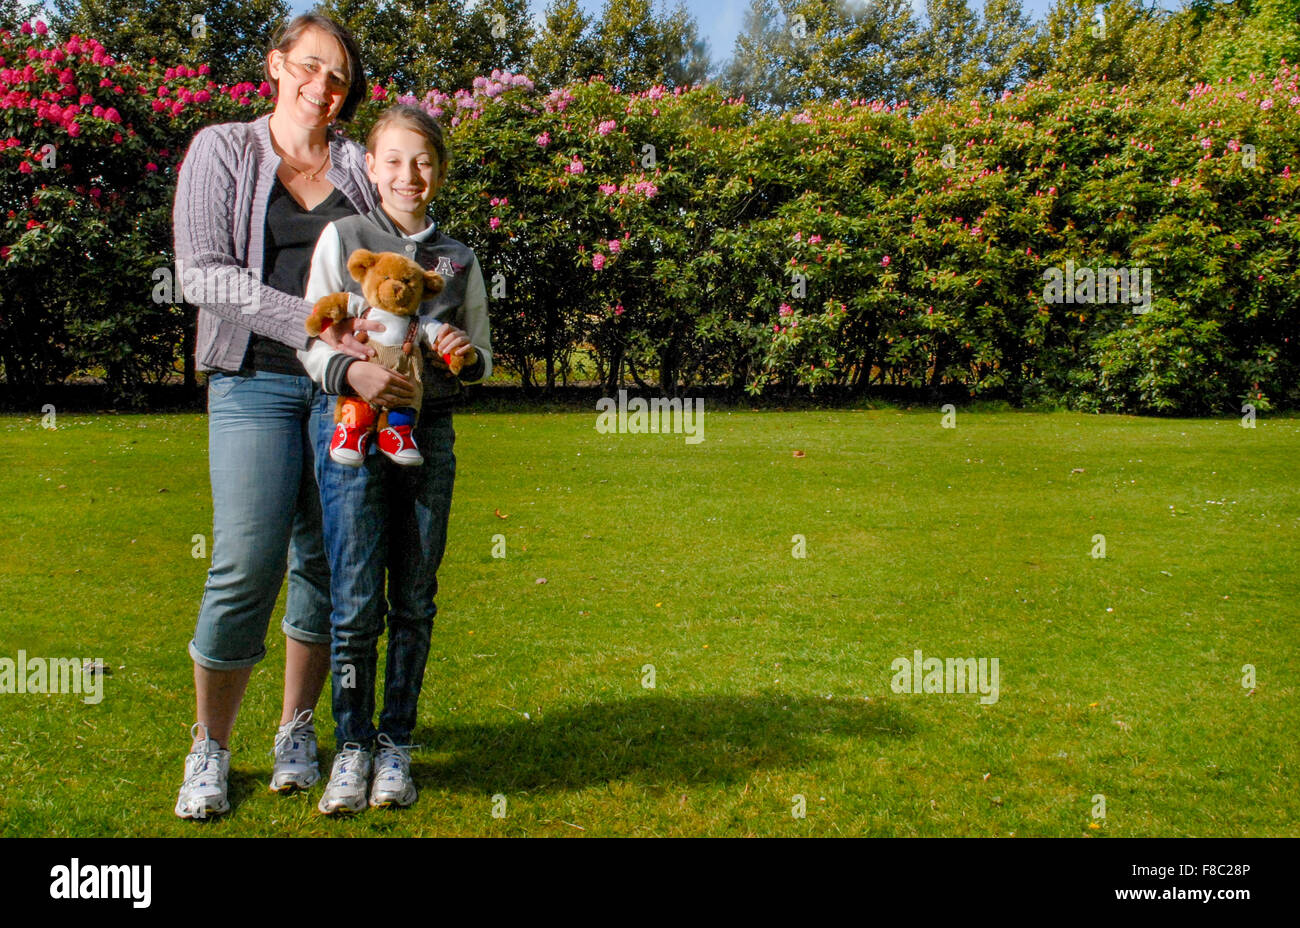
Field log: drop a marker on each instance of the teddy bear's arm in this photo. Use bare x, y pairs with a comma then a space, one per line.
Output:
328, 309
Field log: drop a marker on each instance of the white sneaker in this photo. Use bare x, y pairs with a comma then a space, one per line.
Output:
346, 790
393, 785
207, 768
295, 755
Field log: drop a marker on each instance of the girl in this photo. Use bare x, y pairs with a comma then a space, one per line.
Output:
379, 515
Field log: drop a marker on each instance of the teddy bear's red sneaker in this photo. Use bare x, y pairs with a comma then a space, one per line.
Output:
348, 446
396, 442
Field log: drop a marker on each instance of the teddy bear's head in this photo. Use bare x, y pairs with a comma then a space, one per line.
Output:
393, 282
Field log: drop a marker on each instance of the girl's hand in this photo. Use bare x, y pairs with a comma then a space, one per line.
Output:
452, 340
379, 386
349, 336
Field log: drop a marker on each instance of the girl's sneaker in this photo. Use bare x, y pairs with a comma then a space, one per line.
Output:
346, 790
207, 768
393, 784
295, 755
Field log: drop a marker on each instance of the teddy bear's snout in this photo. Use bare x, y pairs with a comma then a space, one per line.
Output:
395, 290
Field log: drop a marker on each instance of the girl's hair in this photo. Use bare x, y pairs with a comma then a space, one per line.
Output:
413, 118
287, 37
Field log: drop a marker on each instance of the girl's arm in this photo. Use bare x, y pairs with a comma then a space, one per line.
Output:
326, 365
472, 329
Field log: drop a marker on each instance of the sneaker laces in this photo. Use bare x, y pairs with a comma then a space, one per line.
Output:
348, 765
205, 768
393, 759
291, 739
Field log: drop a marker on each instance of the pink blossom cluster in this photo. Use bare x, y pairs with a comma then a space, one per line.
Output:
606, 127
543, 140
558, 100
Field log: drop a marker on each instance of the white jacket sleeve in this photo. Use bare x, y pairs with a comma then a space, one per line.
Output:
324, 278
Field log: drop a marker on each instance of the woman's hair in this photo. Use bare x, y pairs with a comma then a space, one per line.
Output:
287, 37
413, 118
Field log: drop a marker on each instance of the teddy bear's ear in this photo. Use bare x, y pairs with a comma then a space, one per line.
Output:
360, 262
433, 283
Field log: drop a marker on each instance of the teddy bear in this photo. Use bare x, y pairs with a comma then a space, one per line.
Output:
393, 286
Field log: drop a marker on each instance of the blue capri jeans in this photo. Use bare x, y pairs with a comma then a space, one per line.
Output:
265, 517
384, 519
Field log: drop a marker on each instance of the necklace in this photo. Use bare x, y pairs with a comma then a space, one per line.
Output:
310, 175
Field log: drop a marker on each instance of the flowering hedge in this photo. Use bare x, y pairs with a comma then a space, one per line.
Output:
685, 237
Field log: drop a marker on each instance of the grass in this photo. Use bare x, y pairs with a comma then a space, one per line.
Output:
1120, 676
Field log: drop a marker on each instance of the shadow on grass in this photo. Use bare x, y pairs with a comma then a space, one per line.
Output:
652, 739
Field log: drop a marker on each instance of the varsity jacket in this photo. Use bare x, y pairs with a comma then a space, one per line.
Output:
462, 302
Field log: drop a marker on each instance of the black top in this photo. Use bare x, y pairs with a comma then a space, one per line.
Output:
291, 234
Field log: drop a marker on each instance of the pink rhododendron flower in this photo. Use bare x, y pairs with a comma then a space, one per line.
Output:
884, 262
151, 167
618, 310
614, 245
575, 166
494, 222
786, 309
607, 189
606, 127
41, 28
544, 139
1175, 182
597, 261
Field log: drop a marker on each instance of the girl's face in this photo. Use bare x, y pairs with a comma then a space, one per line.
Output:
405, 168
312, 77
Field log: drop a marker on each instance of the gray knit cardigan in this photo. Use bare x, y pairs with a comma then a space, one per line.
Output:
218, 220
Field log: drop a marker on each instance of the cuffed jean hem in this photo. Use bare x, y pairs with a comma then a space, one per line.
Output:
306, 637
211, 664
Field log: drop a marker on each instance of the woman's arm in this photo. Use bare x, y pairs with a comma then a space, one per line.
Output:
211, 277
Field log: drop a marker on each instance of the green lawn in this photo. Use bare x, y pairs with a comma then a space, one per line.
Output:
1119, 676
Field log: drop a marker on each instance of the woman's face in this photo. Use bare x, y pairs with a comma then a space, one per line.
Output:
312, 78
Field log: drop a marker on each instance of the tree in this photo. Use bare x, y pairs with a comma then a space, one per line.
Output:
1269, 34
565, 48
636, 51
231, 37
12, 14
946, 50
820, 50
1005, 38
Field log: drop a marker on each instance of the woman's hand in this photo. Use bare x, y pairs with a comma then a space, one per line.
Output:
379, 386
451, 340
349, 336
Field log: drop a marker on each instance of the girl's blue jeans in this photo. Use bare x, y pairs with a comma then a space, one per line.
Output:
264, 504
382, 518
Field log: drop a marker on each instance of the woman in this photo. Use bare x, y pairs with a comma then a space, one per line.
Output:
251, 199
